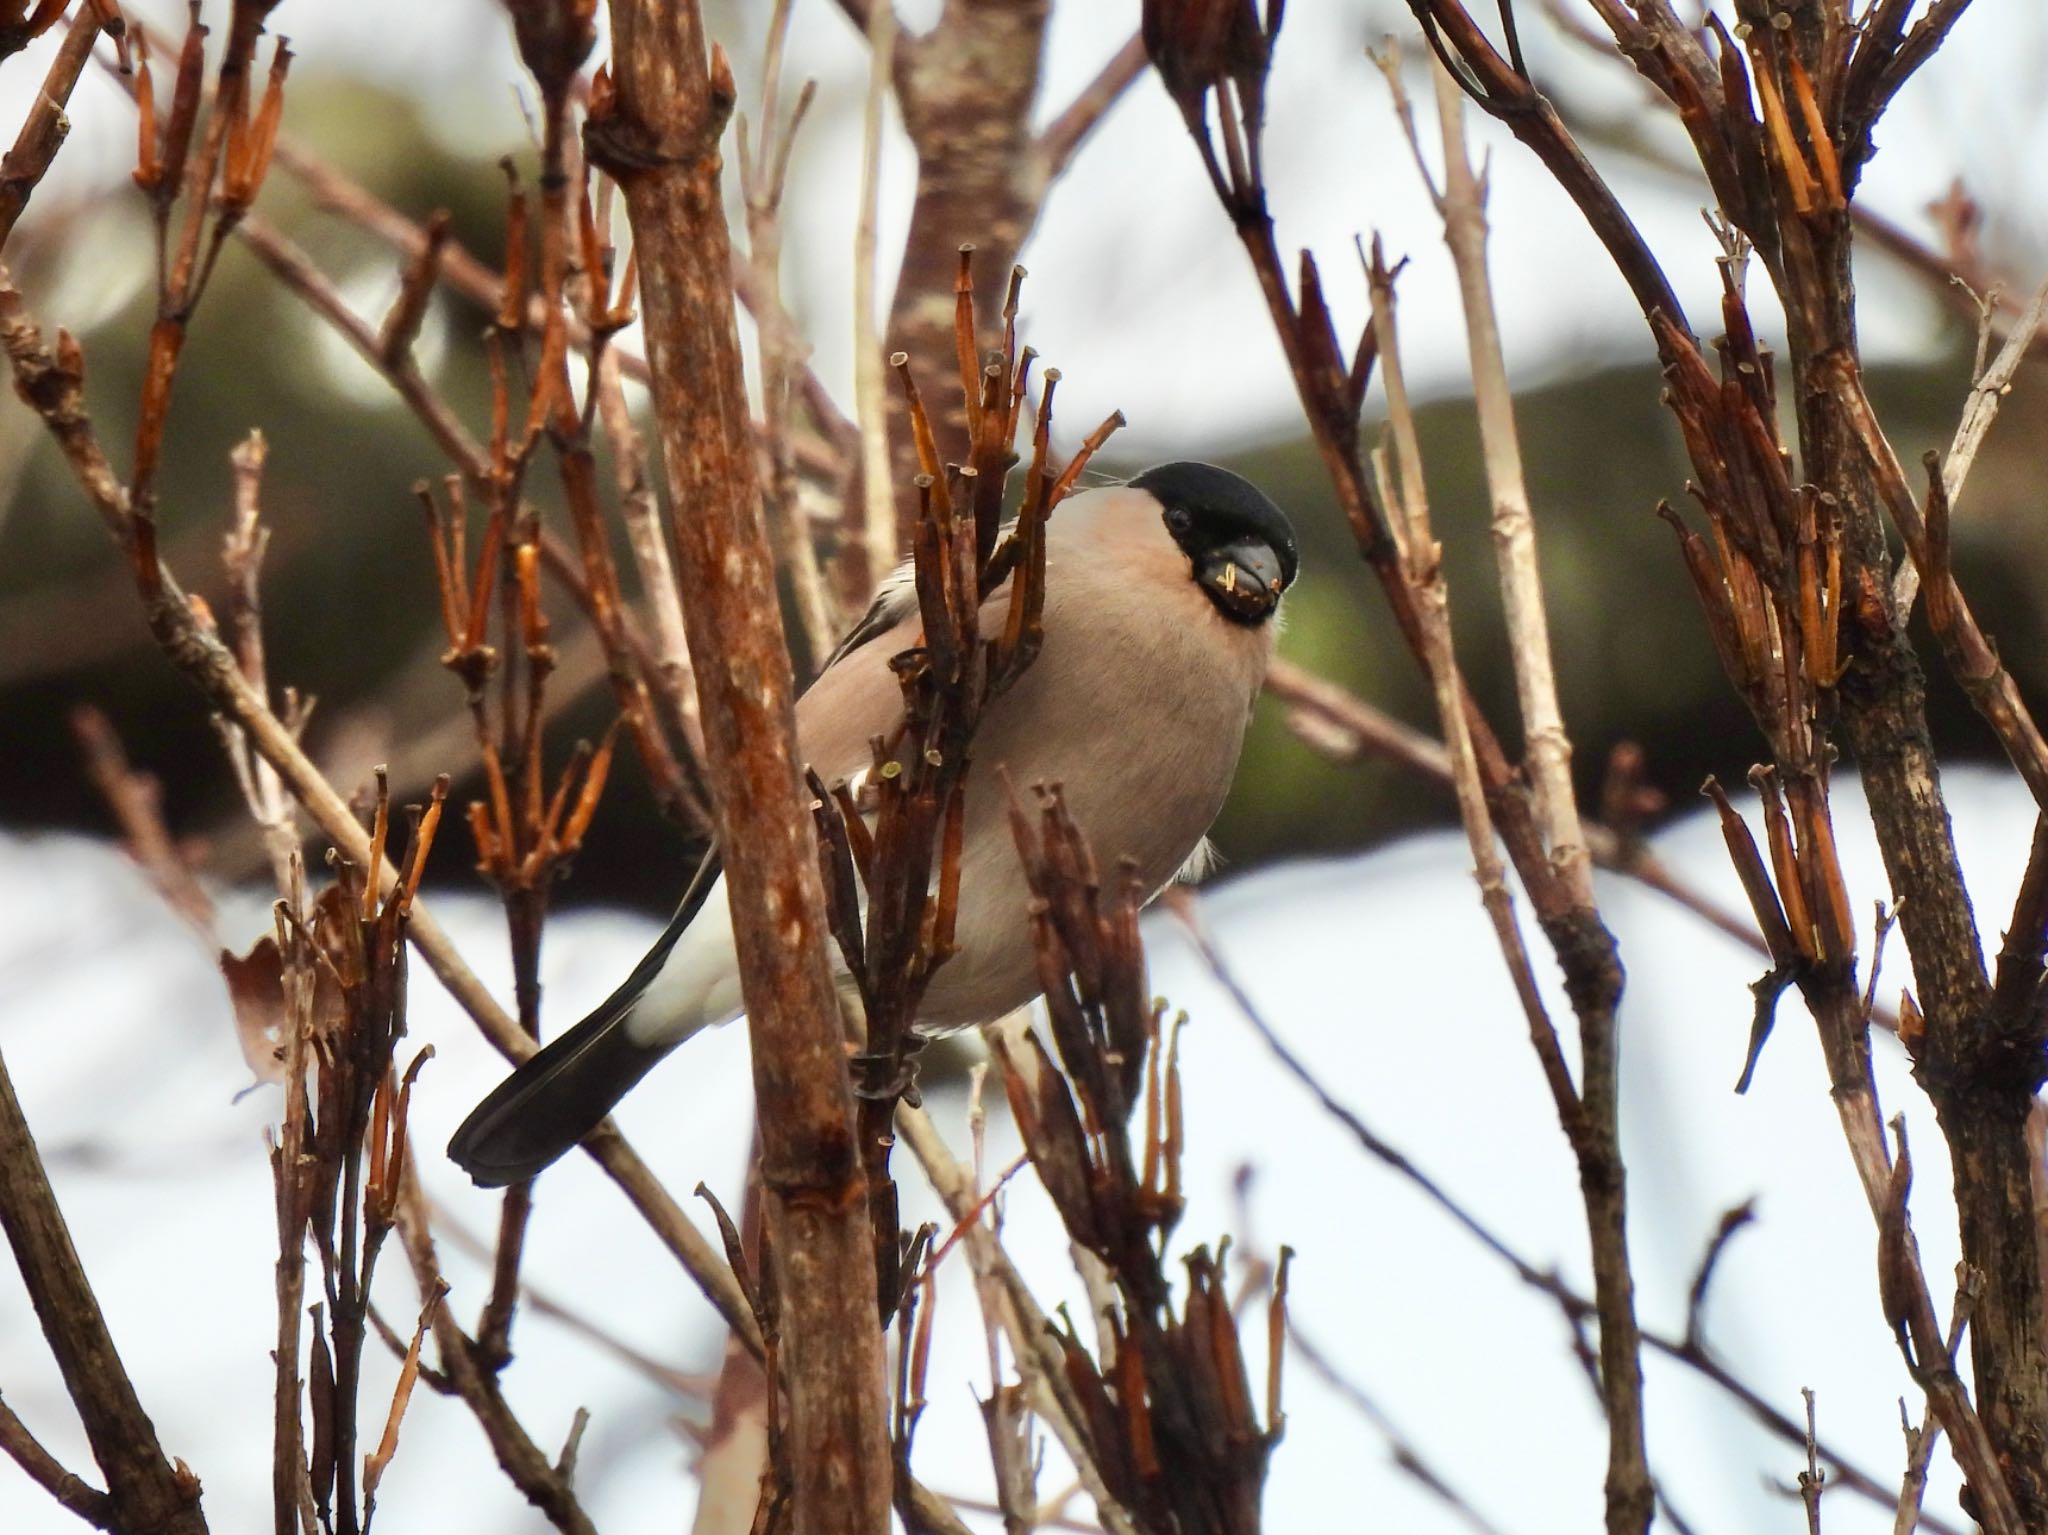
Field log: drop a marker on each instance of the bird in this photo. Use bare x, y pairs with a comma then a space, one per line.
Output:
1162, 598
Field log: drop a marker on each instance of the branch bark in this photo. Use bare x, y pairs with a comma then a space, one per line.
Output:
659, 139
1462, 205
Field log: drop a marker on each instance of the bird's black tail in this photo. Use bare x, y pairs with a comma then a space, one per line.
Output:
561, 1094
553, 1100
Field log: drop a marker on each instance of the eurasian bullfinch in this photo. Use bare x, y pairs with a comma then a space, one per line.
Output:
1160, 598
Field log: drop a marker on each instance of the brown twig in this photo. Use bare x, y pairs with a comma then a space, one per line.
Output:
1066, 133
526, 833
638, 682
1812, 1480
1005, 1410
146, 1490
292, 1497
1032, 1339
737, 1481
1344, 727
1920, 1442
1407, 501
1169, 1416
1987, 390
1587, 1110
1339, 725
44, 130
291, 265
136, 800
1461, 204
877, 532
820, 452
72, 1492
1969, 651
670, 676
545, 1483
1406, 1457
1214, 63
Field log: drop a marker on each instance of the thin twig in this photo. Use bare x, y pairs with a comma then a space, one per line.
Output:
45, 128
869, 372
1407, 1458
1979, 411
1065, 134
1030, 1331
136, 800
1463, 207
764, 167
71, 1491
545, 1484
1421, 558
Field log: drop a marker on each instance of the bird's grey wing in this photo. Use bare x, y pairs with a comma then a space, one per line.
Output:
894, 600
558, 1097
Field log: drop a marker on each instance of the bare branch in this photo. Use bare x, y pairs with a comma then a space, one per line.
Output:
878, 503
146, 1490
44, 130
1514, 526
73, 1492
1065, 134
1691, 1351
1979, 411
136, 800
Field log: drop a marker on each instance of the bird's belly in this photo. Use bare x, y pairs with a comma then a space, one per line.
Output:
1138, 714
1148, 812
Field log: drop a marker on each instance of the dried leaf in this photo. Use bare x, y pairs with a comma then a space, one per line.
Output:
1895, 1258
256, 988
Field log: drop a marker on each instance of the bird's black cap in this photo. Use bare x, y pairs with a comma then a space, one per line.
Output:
1223, 506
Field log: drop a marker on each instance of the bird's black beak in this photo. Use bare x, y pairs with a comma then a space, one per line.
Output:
1244, 578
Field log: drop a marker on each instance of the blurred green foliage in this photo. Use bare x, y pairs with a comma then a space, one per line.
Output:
350, 598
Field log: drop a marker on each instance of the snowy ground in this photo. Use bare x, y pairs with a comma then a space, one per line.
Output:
1377, 969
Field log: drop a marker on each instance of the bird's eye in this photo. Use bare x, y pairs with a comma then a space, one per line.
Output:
1178, 519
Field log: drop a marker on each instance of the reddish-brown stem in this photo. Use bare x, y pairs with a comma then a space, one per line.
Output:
145, 1489
659, 140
